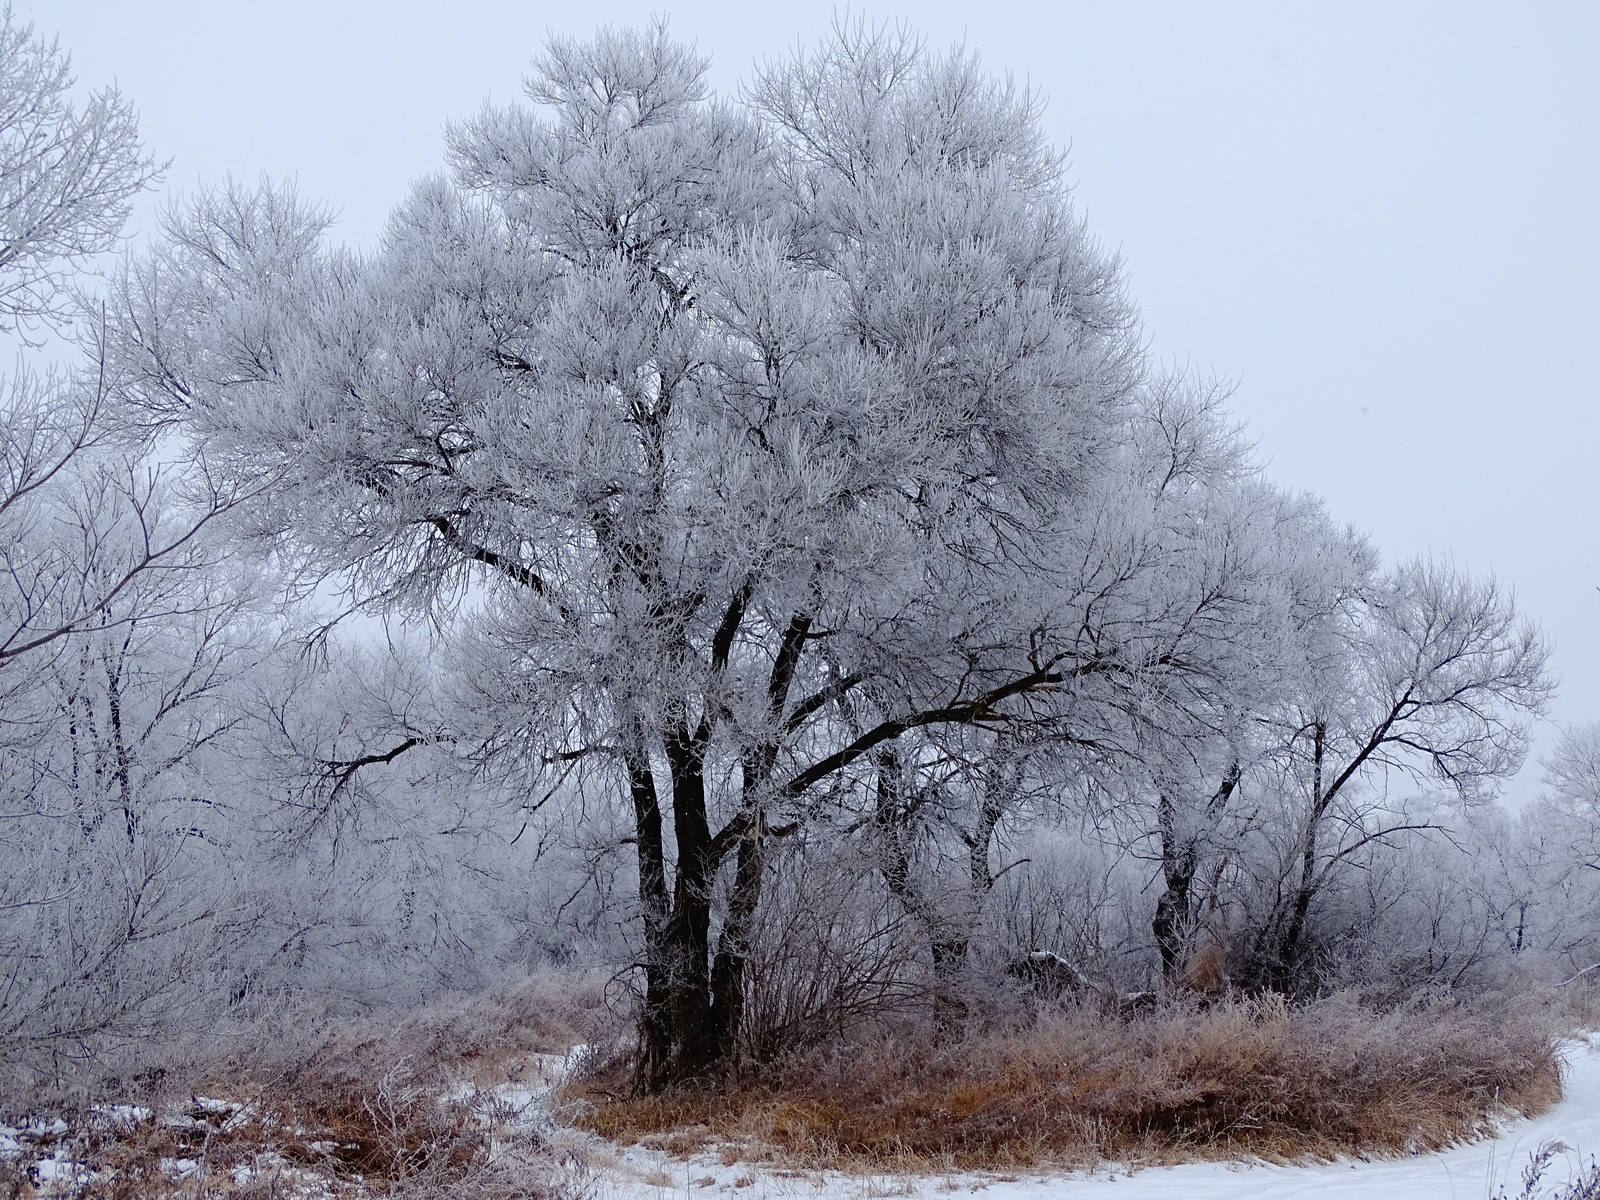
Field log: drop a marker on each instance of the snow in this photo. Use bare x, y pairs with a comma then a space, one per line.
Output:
1471, 1172
120, 1116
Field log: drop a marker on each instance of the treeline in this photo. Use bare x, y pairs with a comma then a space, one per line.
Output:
743, 542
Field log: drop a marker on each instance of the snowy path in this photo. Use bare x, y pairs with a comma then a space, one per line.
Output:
1472, 1172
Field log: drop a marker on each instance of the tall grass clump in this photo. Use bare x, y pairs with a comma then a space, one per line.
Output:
1077, 1086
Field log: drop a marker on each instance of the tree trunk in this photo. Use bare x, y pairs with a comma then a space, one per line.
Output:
687, 943
655, 1033
892, 820
1286, 961
733, 947
1172, 919
694, 1006
676, 1032
949, 938
949, 961
1173, 924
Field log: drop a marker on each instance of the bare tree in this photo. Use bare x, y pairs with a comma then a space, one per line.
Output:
80, 518
1435, 678
118, 803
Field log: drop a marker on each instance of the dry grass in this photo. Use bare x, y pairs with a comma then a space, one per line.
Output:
1575, 1000
1240, 1079
430, 1103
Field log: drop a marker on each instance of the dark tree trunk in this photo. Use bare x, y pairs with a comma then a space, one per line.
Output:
733, 947
1284, 969
687, 941
694, 1004
1173, 921
655, 1019
1173, 924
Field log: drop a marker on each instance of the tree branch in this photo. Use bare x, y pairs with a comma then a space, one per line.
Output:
344, 770
978, 709
494, 560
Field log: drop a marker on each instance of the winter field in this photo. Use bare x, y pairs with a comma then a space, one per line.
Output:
536, 1156
726, 583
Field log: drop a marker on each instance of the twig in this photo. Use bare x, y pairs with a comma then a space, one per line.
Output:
1579, 975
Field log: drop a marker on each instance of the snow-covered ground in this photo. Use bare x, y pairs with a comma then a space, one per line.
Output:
1472, 1172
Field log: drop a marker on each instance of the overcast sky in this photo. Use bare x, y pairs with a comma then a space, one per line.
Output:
1379, 220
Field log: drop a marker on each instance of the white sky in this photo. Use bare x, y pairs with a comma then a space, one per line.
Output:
1381, 220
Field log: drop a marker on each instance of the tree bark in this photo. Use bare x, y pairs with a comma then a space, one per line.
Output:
1173, 918
688, 929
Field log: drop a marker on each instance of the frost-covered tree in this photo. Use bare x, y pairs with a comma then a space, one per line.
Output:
1285, 566
1430, 676
118, 896
113, 637
68, 175
1544, 866
1215, 573
1321, 694
79, 519
1572, 773
745, 441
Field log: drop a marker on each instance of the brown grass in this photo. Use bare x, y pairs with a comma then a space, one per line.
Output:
396, 1105
1240, 1079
